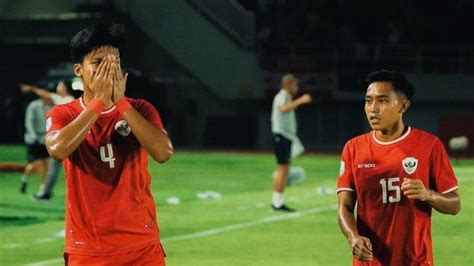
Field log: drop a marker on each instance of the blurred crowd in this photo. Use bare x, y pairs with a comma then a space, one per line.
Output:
388, 23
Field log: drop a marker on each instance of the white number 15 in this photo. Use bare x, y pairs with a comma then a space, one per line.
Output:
388, 185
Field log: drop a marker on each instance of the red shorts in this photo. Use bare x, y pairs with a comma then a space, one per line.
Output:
152, 255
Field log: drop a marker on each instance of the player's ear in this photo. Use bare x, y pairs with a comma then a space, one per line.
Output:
78, 70
405, 105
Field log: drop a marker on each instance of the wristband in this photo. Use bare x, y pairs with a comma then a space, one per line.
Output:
96, 106
123, 105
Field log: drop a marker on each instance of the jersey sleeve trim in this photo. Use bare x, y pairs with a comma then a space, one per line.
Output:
450, 190
344, 189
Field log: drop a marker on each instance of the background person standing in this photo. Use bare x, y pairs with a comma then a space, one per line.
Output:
63, 95
34, 138
286, 143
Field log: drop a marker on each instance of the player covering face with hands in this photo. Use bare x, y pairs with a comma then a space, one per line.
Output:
107, 80
104, 139
396, 174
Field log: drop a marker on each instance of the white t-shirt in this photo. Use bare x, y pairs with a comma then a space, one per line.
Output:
58, 99
283, 123
35, 121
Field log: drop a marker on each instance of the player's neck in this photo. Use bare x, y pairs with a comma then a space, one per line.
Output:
392, 133
87, 97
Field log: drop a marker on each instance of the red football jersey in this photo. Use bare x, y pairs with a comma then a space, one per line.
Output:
109, 205
398, 228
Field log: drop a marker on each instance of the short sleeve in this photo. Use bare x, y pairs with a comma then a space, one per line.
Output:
150, 113
442, 178
56, 119
281, 99
345, 182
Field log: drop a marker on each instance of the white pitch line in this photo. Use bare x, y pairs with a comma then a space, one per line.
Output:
12, 245
46, 262
39, 241
235, 227
224, 229
46, 240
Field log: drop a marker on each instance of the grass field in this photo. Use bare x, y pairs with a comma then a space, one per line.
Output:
238, 228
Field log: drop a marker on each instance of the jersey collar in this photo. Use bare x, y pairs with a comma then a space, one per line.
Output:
402, 137
83, 105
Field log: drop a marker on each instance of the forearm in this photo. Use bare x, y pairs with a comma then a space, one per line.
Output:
290, 106
347, 222
154, 140
346, 218
63, 142
42, 93
448, 203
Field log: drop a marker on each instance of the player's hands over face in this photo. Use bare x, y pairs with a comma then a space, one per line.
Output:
102, 80
361, 248
414, 189
306, 98
120, 82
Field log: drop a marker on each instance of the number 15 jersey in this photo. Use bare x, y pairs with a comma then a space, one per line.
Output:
398, 228
109, 205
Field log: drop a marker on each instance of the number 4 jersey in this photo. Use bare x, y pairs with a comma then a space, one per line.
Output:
398, 228
109, 205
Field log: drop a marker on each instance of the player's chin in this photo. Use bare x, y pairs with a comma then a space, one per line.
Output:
375, 126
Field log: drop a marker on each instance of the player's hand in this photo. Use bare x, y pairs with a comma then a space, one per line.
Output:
304, 99
361, 248
102, 80
120, 82
26, 88
414, 189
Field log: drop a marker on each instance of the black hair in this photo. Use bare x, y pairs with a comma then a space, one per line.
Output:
95, 36
399, 81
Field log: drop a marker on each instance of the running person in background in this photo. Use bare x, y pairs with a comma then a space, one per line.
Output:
396, 174
38, 157
61, 96
104, 139
285, 141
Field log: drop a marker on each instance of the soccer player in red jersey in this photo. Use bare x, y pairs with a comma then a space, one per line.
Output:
104, 139
396, 174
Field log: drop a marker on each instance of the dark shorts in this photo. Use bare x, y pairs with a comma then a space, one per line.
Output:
36, 151
282, 147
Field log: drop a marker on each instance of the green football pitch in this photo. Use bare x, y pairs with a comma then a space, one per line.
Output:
236, 229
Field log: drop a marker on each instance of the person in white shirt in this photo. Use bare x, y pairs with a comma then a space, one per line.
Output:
61, 96
285, 139
38, 157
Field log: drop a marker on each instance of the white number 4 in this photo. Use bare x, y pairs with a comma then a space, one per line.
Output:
388, 185
109, 158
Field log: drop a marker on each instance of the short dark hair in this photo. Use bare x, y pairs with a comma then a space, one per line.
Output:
95, 36
399, 81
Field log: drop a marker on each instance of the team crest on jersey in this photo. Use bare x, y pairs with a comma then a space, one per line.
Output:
122, 128
410, 164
